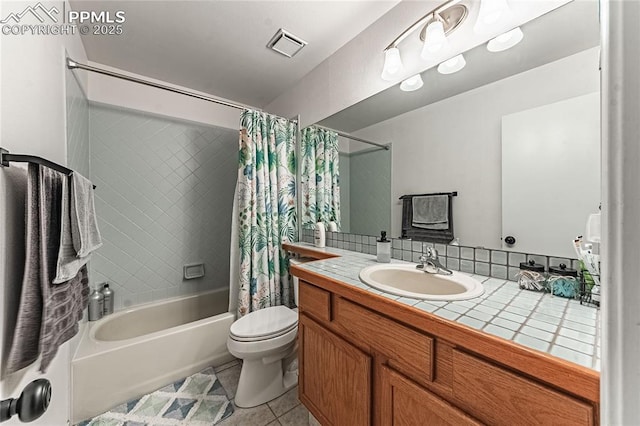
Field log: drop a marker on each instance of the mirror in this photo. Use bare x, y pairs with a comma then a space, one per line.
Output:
365, 188
451, 135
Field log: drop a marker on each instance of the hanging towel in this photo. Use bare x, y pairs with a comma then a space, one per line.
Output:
68, 264
431, 212
64, 305
47, 313
84, 225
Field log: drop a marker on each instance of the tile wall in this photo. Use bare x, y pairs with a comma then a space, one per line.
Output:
78, 156
370, 189
164, 199
473, 260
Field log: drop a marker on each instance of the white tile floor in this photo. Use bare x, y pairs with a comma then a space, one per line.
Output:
285, 410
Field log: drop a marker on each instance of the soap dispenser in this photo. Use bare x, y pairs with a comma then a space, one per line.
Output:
383, 248
319, 236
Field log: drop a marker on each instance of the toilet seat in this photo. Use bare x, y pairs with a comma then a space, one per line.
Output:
265, 324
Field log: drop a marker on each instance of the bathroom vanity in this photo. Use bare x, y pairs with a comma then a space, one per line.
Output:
366, 358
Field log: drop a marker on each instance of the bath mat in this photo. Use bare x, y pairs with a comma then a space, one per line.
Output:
197, 400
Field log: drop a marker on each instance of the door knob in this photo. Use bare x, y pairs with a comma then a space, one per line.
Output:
32, 403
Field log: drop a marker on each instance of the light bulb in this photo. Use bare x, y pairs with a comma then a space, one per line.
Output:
392, 64
435, 39
492, 12
506, 40
452, 65
412, 83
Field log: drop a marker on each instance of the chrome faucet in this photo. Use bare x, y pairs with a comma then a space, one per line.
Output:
430, 263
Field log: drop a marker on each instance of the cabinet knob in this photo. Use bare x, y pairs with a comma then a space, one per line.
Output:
510, 240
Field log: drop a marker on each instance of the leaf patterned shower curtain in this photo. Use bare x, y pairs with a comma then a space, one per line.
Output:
320, 177
266, 208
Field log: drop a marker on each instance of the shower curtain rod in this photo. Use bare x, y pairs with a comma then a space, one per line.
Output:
71, 64
355, 138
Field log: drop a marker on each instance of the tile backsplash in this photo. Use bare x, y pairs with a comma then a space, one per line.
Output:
164, 199
473, 260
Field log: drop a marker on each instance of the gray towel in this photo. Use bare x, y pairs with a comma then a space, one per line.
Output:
431, 212
47, 313
84, 225
69, 263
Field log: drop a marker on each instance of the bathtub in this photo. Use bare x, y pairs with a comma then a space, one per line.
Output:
136, 351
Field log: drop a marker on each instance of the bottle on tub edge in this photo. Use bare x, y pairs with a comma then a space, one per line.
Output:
96, 305
108, 299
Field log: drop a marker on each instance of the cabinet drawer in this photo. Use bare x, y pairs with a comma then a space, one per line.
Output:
314, 301
408, 351
499, 397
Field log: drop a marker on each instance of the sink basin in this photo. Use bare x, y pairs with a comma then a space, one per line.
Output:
405, 280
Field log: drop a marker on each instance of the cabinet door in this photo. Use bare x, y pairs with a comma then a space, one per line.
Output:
404, 403
335, 377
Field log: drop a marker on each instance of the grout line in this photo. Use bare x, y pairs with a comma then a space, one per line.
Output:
272, 412
288, 411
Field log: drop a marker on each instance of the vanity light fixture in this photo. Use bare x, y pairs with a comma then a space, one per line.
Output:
412, 83
436, 25
435, 40
392, 63
452, 65
492, 13
505, 41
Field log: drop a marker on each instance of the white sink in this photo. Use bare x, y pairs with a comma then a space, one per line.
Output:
405, 280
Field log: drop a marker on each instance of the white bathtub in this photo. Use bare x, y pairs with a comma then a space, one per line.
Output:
136, 351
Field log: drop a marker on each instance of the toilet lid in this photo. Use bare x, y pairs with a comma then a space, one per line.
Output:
265, 323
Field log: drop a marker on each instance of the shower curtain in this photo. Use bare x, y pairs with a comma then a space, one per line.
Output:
319, 177
266, 211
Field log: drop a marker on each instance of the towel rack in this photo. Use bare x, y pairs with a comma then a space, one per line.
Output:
453, 194
6, 158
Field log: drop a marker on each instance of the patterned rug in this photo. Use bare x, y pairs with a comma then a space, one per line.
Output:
197, 400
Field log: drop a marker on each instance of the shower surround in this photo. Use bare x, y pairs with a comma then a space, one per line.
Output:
164, 199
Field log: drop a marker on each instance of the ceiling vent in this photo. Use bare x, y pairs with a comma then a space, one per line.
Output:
286, 43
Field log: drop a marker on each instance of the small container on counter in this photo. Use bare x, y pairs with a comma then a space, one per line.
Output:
563, 281
319, 235
531, 276
96, 305
108, 299
383, 249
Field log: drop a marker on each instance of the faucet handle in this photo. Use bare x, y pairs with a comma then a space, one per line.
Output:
432, 253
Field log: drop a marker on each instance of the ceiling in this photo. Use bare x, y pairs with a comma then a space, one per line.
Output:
219, 47
569, 29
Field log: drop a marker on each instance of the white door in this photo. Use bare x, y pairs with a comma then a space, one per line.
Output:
550, 174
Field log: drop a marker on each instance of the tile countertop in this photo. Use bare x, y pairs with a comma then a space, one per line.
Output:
556, 325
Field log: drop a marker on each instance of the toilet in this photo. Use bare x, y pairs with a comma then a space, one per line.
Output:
266, 342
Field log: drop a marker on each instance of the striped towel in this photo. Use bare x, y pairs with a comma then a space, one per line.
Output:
48, 313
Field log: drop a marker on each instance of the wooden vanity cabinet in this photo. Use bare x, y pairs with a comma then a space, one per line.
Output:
334, 376
365, 361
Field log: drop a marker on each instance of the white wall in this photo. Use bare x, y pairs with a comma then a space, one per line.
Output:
455, 144
32, 106
122, 93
